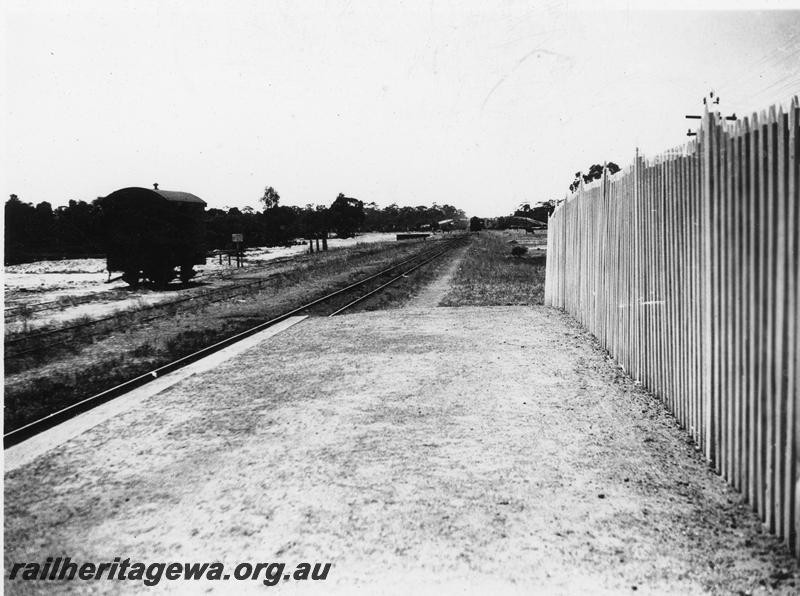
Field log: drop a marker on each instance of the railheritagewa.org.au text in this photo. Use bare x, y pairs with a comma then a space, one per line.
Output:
150, 574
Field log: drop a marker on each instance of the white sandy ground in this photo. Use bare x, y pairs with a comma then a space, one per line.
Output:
95, 266
46, 281
78, 277
447, 451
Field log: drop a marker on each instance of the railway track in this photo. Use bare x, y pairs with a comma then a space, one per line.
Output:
16, 311
35, 342
331, 304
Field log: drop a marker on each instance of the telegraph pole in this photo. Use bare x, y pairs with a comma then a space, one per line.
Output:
709, 100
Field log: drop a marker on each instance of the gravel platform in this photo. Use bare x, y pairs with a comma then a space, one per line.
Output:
444, 450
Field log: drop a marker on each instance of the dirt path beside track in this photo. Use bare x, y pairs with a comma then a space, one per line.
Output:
432, 293
447, 450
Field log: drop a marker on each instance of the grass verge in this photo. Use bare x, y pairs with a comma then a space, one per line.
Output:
406, 289
490, 276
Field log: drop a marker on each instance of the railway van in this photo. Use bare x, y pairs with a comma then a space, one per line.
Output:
153, 235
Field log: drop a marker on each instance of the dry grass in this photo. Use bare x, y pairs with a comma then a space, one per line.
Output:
403, 290
490, 276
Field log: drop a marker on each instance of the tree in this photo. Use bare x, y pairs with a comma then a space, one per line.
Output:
42, 232
475, 224
270, 198
519, 250
346, 215
543, 210
280, 225
595, 173
19, 219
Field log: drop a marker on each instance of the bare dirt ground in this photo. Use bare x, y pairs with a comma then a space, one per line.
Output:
431, 294
445, 450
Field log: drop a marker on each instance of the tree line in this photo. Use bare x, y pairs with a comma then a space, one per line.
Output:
76, 230
527, 216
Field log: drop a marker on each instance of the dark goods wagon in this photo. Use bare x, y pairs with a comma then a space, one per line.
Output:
151, 233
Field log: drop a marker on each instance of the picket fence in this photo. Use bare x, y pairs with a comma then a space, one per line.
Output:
685, 267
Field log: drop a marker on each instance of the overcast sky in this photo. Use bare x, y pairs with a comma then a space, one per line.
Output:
479, 104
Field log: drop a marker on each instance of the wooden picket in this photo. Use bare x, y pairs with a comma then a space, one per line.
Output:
685, 267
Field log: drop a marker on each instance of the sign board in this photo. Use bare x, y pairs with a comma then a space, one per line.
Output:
237, 237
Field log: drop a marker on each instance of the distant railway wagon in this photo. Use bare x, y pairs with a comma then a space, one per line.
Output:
153, 235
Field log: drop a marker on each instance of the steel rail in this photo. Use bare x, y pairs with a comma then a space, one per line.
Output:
388, 283
210, 296
13, 311
34, 427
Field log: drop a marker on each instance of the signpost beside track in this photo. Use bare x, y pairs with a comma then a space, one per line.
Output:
237, 239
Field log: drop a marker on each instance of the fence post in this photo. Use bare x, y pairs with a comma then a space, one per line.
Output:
705, 200
686, 269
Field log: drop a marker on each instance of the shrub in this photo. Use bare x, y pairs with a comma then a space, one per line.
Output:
519, 250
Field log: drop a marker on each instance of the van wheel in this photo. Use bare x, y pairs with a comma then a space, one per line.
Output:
187, 273
131, 278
